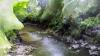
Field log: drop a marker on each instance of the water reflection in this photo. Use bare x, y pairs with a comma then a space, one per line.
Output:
50, 47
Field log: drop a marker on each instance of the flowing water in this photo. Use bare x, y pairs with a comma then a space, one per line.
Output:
50, 47
39, 43
45, 46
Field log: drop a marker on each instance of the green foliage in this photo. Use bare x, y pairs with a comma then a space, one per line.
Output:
75, 7
56, 23
20, 10
4, 44
91, 21
8, 21
28, 9
34, 9
53, 7
53, 14
11, 36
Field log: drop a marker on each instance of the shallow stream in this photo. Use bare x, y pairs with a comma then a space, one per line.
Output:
43, 44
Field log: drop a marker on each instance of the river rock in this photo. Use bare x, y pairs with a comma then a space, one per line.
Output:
93, 52
75, 46
92, 47
94, 31
92, 34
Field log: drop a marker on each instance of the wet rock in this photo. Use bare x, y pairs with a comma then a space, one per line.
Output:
92, 47
94, 31
69, 39
93, 52
69, 48
98, 48
21, 50
75, 46
98, 15
92, 34
84, 44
